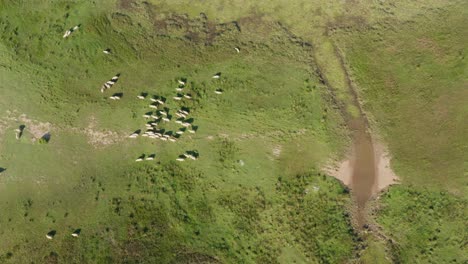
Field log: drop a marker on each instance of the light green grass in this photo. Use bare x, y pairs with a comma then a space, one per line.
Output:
216, 210
226, 207
413, 82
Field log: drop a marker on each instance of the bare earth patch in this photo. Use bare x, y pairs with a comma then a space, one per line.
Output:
385, 176
277, 151
99, 138
36, 128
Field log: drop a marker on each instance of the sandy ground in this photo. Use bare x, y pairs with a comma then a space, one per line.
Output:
385, 176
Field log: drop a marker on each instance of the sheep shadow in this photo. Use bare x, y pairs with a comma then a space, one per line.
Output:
193, 153
52, 233
46, 137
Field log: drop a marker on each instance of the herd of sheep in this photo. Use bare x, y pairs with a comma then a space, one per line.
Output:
157, 115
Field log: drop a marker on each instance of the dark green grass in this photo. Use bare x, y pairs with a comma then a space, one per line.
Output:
428, 227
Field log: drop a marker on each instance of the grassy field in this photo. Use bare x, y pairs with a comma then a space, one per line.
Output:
255, 188
416, 94
256, 194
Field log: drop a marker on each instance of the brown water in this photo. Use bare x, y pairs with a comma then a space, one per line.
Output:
363, 163
363, 179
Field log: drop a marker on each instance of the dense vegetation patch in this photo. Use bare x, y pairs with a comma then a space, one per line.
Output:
428, 226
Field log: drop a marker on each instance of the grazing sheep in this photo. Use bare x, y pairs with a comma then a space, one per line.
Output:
180, 132
165, 119
153, 100
76, 233
188, 96
177, 98
67, 33
172, 139
160, 101
134, 135
181, 82
76, 27
51, 234
217, 75
179, 89
218, 91
139, 159
141, 97
146, 116
107, 51
153, 106
180, 159
150, 157
237, 49
163, 138
109, 84
191, 131
185, 124
17, 133
162, 113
